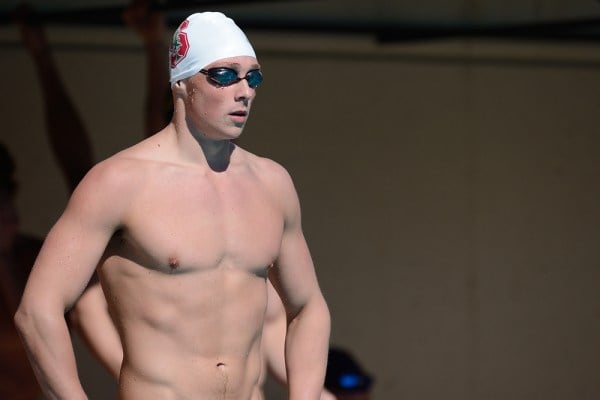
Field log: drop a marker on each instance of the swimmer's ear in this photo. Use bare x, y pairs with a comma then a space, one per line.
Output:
179, 88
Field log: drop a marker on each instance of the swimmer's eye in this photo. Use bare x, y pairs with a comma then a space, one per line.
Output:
223, 76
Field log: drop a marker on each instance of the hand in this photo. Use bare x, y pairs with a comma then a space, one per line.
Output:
146, 21
30, 27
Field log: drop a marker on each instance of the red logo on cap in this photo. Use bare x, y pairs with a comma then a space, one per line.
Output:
180, 46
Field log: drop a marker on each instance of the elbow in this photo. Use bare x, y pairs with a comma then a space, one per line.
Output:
25, 317
325, 316
321, 305
31, 316
22, 319
316, 308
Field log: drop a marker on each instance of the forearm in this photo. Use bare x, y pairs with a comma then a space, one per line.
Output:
307, 342
49, 348
150, 25
273, 337
66, 131
274, 354
93, 323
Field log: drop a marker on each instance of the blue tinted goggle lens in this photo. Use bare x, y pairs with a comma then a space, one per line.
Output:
226, 76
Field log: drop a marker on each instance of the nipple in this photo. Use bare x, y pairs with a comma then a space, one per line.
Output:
173, 263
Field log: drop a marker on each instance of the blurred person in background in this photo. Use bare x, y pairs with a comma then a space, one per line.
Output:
345, 377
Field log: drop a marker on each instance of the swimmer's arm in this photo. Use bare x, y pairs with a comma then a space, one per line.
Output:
92, 321
307, 336
273, 337
308, 317
61, 272
273, 340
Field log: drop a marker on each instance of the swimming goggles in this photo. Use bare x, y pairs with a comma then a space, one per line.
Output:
223, 76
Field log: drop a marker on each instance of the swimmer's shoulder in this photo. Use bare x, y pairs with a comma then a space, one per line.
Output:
118, 178
135, 161
273, 175
266, 168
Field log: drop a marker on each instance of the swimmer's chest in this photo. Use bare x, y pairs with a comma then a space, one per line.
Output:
203, 225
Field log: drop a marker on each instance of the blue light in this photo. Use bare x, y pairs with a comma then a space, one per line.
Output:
349, 381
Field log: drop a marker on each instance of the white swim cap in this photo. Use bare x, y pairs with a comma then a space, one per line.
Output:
202, 39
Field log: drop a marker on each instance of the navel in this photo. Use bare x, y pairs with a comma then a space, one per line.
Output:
221, 366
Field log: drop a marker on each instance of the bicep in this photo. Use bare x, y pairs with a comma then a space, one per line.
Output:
71, 251
65, 264
294, 274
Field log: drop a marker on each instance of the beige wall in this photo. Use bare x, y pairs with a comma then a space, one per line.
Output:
449, 197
